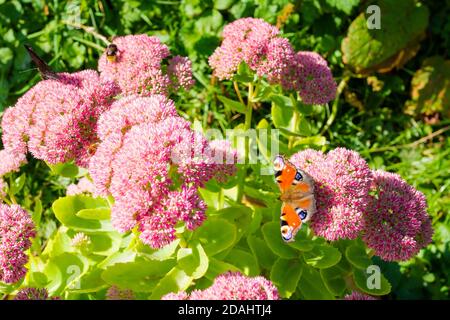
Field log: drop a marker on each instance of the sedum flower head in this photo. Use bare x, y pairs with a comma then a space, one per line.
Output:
56, 120
152, 162
397, 225
232, 286
16, 229
84, 186
139, 67
261, 47
81, 241
115, 293
342, 181
356, 295
32, 294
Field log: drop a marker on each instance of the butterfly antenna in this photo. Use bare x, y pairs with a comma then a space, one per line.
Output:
44, 69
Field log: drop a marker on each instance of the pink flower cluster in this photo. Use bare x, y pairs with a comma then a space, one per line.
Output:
152, 163
356, 295
55, 120
16, 229
115, 293
397, 225
231, 286
353, 201
342, 181
260, 46
32, 294
139, 67
84, 186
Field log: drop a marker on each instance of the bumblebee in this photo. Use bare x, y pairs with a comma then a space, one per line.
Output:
111, 52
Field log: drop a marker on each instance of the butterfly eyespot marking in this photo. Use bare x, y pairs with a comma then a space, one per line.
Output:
286, 233
301, 213
298, 176
278, 165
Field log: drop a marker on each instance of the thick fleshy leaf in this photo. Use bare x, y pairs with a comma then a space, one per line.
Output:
245, 261
95, 214
66, 210
175, 280
371, 281
311, 285
357, 256
285, 274
64, 272
272, 235
334, 277
322, 256
68, 170
193, 260
140, 275
261, 251
215, 235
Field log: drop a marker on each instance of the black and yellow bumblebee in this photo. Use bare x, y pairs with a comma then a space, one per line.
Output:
111, 52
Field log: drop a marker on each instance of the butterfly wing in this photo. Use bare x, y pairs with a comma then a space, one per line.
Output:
45, 71
290, 222
297, 194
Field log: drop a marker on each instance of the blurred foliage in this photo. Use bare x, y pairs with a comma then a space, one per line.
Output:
369, 112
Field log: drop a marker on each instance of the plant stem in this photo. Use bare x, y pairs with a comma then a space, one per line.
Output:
238, 92
88, 29
335, 106
247, 126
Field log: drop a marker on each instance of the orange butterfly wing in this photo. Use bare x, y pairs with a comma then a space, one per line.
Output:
297, 194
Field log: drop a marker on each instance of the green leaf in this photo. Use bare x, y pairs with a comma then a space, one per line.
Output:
232, 104
239, 215
402, 25
193, 260
285, 274
430, 88
64, 272
334, 277
322, 256
216, 235
140, 275
223, 4
164, 253
176, 280
217, 267
261, 251
118, 257
95, 214
272, 235
244, 261
282, 116
311, 285
36, 215
66, 210
244, 73
373, 282
17, 184
58, 244
357, 256
68, 170
105, 243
